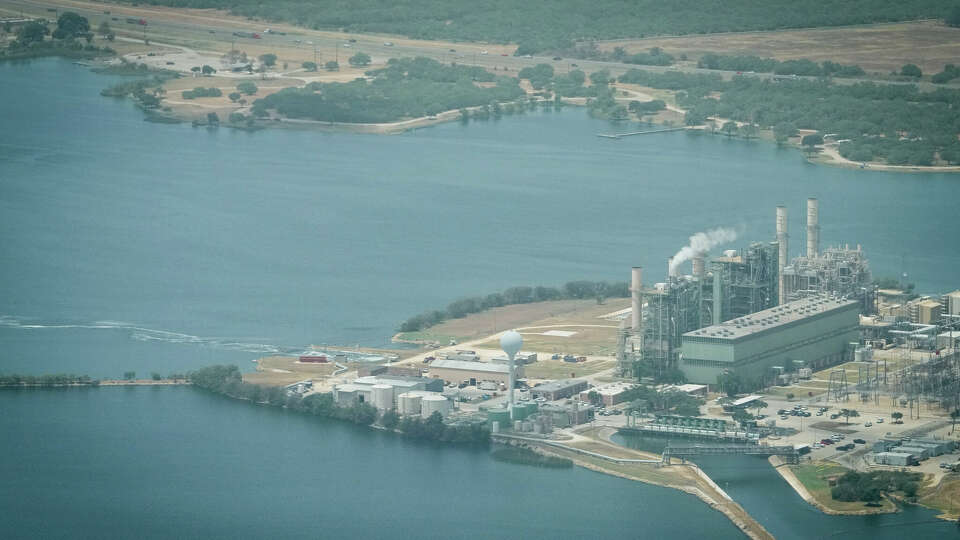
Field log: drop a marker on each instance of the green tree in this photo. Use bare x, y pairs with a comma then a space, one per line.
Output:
729, 128
156, 376
207, 70
758, 405
742, 417
332, 66
268, 59
749, 131
594, 397
390, 419
911, 70
954, 414
953, 17
104, 29
601, 78
896, 417
247, 87
129, 375
359, 60
847, 413
32, 32
309, 66
783, 131
213, 119
731, 383
234, 96
790, 396
810, 142
71, 25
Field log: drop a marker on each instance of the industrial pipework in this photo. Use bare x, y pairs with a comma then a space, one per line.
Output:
813, 228
782, 256
636, 283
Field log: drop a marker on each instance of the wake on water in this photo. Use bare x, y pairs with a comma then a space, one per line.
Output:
140, 333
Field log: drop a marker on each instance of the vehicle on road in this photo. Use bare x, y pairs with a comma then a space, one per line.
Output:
879, 420
867, 424
860, 441
783, 417
483, 53
353, 40
557, 58
388, 44
504, 54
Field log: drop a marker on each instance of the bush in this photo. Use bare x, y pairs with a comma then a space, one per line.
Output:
200, 92
911, 70
247, 87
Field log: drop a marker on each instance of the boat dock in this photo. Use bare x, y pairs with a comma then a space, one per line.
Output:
648, 132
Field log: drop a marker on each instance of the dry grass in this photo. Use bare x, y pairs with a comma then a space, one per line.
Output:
882, 47
558, 369
283, 370
944, 497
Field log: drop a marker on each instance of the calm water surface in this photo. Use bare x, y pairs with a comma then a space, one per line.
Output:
135, 246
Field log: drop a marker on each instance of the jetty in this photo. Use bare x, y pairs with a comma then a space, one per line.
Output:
648, 132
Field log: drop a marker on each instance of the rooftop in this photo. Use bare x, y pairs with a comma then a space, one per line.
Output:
745, 400
772, 318
553, 386
470, 366
611, 389
392, 380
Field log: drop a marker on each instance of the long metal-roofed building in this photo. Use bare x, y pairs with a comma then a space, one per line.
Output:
455, 371
814, 331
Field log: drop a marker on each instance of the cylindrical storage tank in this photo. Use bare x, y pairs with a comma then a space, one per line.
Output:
432, 404
527, 425
699, 264
495, 427
813, 227
382, 395
520, 412
858, 354
499, 415
517, 425
408, 403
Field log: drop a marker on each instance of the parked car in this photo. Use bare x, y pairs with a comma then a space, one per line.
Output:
783, 417
879, 420
557, 58
860, 441
867, 424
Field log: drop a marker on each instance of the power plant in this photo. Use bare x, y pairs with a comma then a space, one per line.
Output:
739, 283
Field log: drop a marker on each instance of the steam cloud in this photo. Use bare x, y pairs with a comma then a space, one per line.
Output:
700, 243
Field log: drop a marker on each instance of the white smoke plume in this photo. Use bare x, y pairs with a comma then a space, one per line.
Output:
701, 243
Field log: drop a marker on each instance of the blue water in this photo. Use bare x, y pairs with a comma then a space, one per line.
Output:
128, 245
179, 463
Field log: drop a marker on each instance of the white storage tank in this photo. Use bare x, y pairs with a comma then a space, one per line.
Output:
432, 404
408, 403
382, 396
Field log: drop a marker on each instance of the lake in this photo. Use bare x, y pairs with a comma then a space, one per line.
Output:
149, 247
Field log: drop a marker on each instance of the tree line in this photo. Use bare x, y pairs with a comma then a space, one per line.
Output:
871, 486
226, 380
538, 26
48, 380
800, 67
898, 123
406, 88
516, 295
65, 40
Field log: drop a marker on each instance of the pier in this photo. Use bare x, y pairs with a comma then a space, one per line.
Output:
648, 132
788, 452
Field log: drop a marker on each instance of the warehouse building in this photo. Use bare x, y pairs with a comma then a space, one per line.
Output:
561, 389
401, 382
457, 371
610, 394
897, 459
814, 332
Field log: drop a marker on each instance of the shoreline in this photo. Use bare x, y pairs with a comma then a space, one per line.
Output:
721, 502
783, 469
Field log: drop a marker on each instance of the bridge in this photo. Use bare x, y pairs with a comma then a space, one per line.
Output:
789, 452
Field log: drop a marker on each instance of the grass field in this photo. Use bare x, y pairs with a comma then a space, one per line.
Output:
880, 48
814, 476
283, 370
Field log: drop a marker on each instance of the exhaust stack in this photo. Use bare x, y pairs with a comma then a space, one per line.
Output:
699, 264
636, 284
782, 256
813, 227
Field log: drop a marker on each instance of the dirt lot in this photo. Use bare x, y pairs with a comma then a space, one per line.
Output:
520, 315
881, 48
283, 370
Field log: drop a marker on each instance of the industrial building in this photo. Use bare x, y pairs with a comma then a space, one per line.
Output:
560, 389
457, 371
738, 284
610, 394
402, 383
522, 358
897, 459
814, 332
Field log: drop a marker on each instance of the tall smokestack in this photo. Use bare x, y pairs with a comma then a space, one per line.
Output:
813, 227
670, 269
636, 284
782, 256
699, 264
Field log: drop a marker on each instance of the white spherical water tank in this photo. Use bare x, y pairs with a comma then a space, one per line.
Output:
432, 404
408, 403
383, 396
